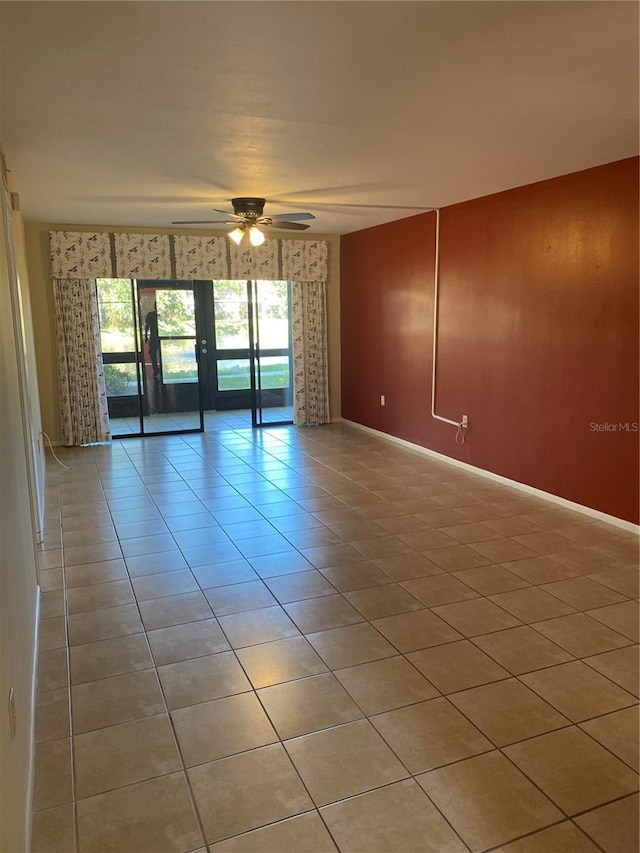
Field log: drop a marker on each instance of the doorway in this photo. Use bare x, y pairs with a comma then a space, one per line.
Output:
245, 343
150, 356
177, 352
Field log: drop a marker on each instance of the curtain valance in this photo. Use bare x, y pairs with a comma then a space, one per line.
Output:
84, 254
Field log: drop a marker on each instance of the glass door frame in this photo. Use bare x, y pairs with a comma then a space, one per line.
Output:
168, 284
206, 328
129, 357
255, 371
251, 397
136, 357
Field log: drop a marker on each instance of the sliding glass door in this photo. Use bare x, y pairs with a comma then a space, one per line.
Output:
245, 338
271, 364
120, 354
229, 355
170, 375
172, 349
150, 356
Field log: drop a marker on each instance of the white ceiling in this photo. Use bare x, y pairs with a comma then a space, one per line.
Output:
140, 113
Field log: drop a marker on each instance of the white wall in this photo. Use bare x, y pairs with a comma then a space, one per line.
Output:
31, 396
27, 368
18, 583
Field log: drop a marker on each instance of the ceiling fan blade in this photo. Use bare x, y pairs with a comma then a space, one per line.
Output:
292, 216
292, 226
226, 212
319, 193
380, 206
205, 222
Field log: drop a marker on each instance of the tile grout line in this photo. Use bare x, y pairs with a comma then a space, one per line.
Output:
280, 605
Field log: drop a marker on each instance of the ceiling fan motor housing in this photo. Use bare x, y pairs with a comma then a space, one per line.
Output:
251, 207
248, 213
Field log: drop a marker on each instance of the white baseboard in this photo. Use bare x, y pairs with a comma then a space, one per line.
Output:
498, 478
32, 732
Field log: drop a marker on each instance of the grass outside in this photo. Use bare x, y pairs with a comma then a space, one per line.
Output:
271, 376
120, 381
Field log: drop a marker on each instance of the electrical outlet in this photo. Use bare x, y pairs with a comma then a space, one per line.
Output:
12, 713
465, 421
382, 400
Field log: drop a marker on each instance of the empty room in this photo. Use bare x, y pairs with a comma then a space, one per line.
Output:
319, 398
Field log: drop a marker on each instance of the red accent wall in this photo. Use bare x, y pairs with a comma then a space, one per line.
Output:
538, 333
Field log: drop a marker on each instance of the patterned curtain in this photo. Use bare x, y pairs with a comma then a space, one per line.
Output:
310, 379
82, 393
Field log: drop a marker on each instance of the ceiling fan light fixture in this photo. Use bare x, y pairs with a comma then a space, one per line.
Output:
236, 235
256, 236
247, 216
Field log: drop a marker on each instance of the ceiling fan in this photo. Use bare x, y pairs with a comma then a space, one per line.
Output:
248, 214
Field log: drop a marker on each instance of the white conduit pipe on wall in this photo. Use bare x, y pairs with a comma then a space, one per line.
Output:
461, 425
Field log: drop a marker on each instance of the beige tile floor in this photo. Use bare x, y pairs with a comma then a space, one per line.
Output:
299, 641
178, 421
